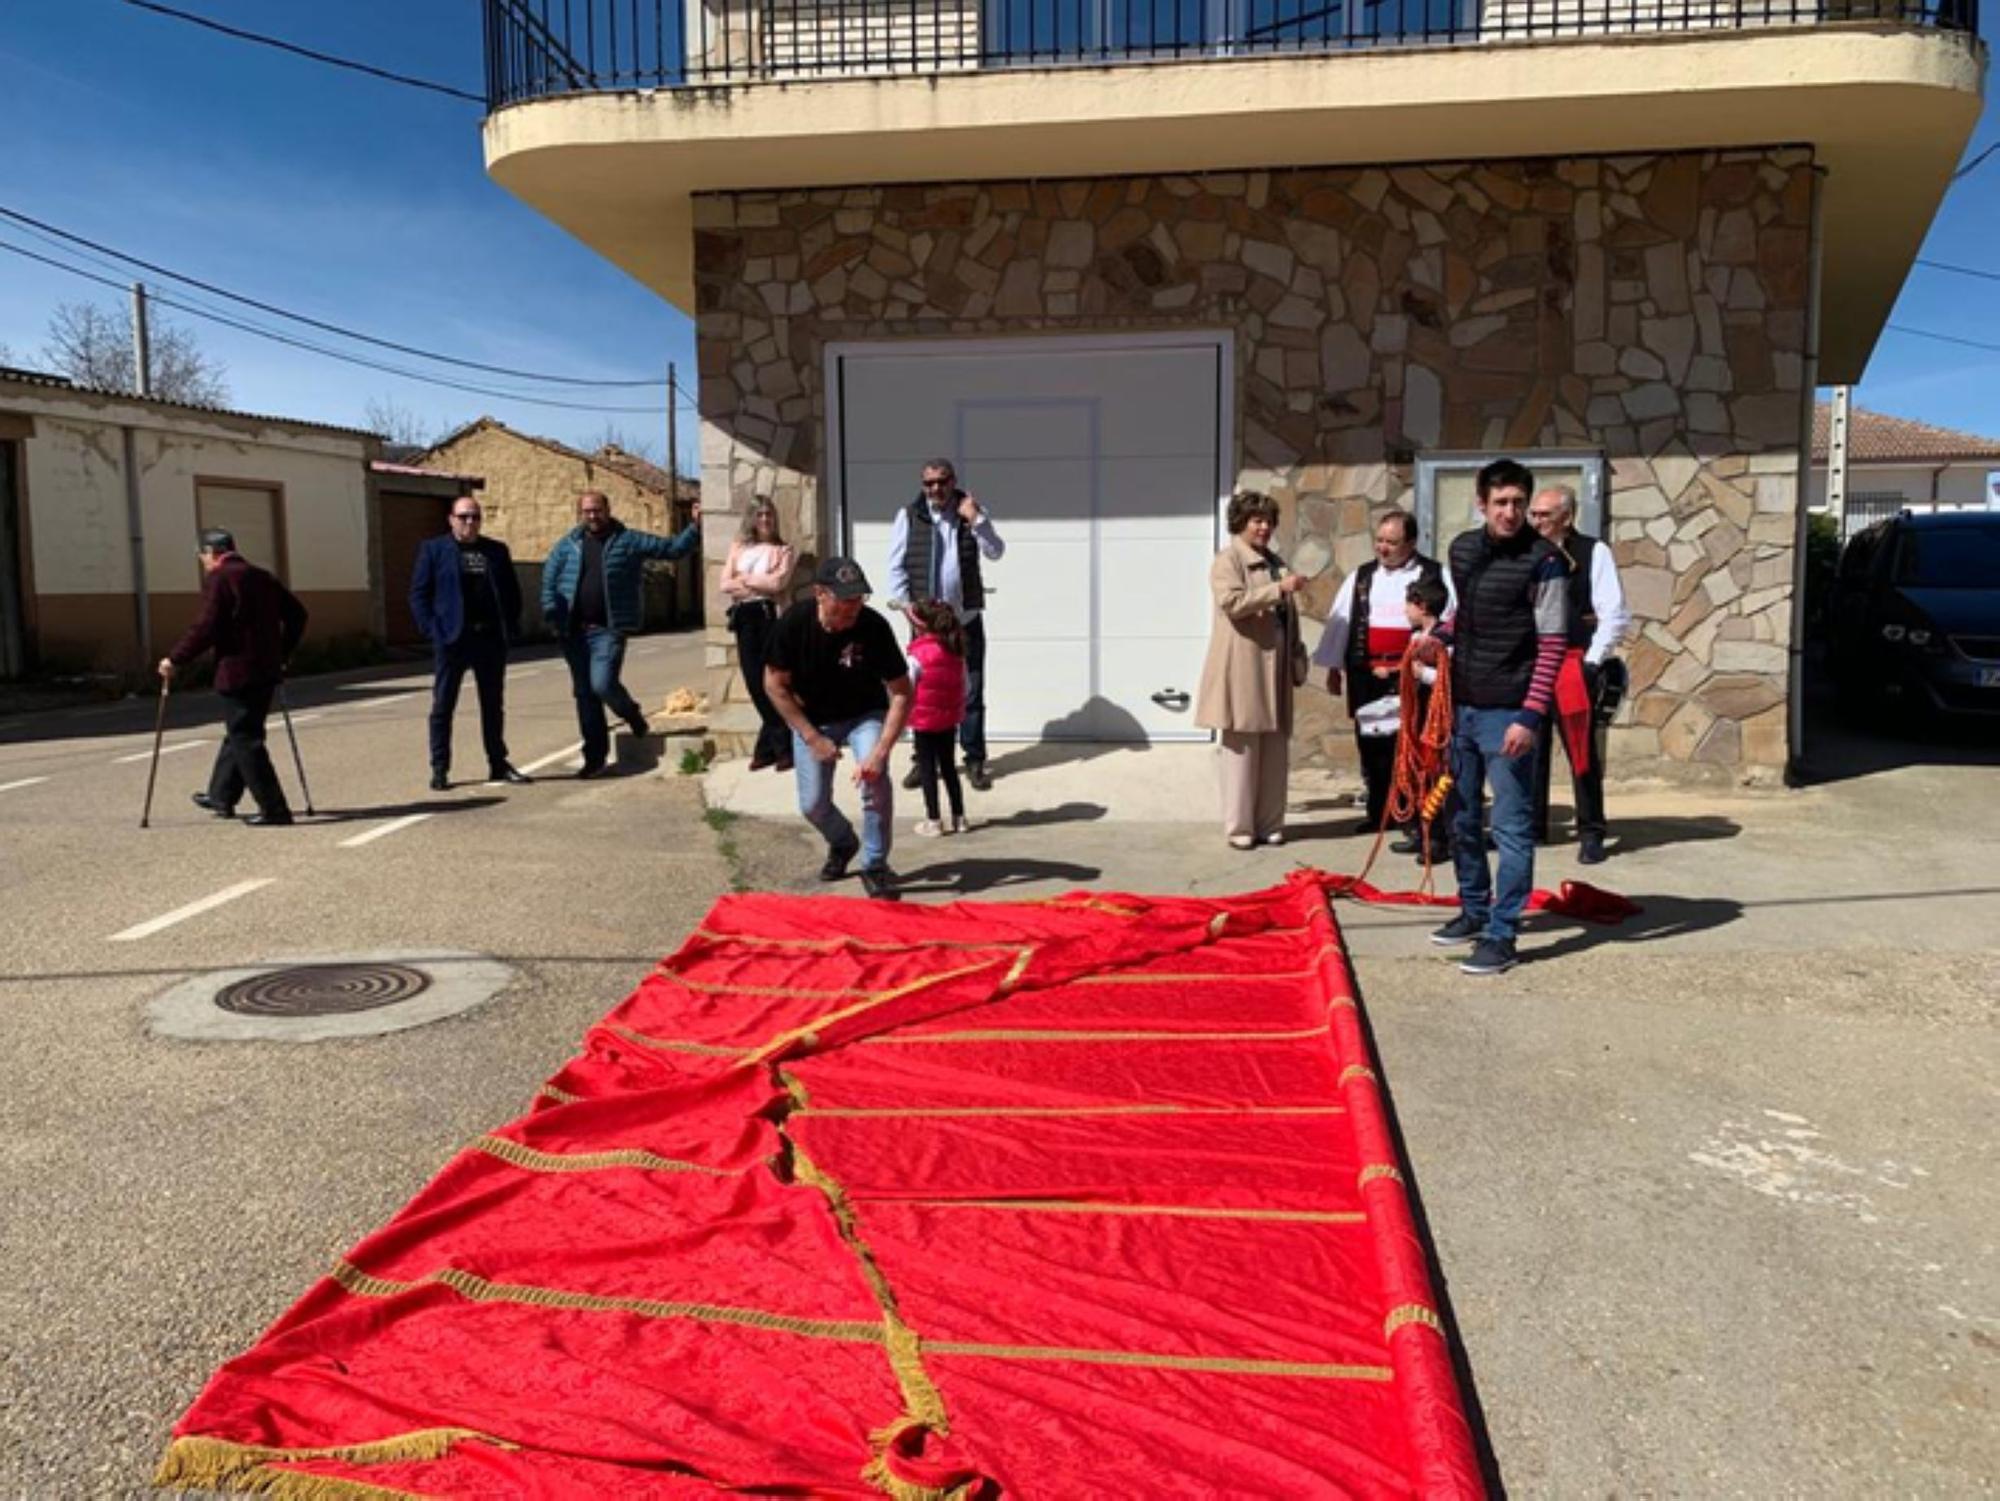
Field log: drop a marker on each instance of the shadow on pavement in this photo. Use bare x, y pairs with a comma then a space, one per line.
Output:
394, 810
1030, 818
1658, 917
969, 877
1630, 834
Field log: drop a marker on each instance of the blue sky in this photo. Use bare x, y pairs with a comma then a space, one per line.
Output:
367, 204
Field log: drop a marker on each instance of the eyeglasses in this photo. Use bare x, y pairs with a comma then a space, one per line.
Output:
1543, 515
937, 484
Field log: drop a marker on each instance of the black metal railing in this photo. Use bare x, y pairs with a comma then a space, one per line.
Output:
539, 48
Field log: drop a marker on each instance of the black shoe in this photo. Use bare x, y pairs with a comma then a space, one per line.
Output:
880, 883
209, 805
638, 726
759, 761
1490, 956
589, 769
838, 858
1409, 844
1590, 850
782, 765
440, 782
912, 780
502, 772
1461, 929
976, 773
279, 820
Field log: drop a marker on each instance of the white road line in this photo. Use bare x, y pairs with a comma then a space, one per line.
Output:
305, 718
24, 782
569, 751
165, 750
523, 672
376, 703
383, 828
192, 909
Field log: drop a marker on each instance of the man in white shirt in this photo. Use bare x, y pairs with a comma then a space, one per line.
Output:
1598, 620
935, 550
1363, 646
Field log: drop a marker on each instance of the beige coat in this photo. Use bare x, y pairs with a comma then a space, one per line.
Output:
1246, 683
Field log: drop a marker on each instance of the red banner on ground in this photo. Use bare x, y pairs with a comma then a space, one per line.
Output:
1088, 1198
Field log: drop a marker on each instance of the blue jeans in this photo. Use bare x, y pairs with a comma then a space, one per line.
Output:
878, 795
1476, 762
596, 656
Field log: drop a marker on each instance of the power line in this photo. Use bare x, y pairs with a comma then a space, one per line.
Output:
1959, 270
1924, 333
30, 222
1967, 168
296, 50
332, 354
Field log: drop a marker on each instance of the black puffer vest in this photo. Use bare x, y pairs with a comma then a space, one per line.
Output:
1582, 608
918, 561
1494, 640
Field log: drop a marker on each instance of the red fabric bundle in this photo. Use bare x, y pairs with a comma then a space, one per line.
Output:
1574, 706
1088, 1198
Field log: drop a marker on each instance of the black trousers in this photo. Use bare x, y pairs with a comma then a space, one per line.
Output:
753, 624
485, 656
934, 764
1589, 784
1378, 772
243, 764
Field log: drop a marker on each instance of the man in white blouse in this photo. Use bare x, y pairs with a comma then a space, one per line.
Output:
1598, 620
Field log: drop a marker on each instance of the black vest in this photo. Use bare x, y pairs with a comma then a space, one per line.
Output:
1494, 641
1363, 687
917, 560
1582, 608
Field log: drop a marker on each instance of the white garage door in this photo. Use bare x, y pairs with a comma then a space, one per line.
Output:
1100, 463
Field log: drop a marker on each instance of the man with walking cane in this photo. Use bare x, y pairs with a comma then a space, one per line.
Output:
253, 623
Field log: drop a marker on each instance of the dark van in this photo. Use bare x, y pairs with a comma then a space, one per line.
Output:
1915, 621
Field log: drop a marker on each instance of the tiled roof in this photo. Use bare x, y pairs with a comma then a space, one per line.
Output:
1873, 438
640, 471
53, 382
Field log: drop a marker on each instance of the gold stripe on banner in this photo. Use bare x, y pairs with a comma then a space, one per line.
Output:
560, 1096
677, 1045
1217, 923
536, 1161
478, 1289
1356, 1071
1178, 1211
1213, 1364
1089, 903
1411, 1313
830, 945
1376, 1170
996, 1111
1057, 1034
783, 992
199, 1462
871, 999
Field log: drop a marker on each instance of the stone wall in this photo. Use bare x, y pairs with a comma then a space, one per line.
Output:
1653, 307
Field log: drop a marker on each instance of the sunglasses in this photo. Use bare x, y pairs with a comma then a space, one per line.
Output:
937, 484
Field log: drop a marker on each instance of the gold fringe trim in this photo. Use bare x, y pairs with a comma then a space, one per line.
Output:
1017, 969
826, 945
1179, 1211
1092, 903
1343, 1002
677, 1045
1032, 1034
1001, 1112
560, 1096
1376, 1170
1210, 1364
1356, 1071
589, 1162
1411, 1313
197, 1462
1217, 923
479, 1290
871, 999
787, 992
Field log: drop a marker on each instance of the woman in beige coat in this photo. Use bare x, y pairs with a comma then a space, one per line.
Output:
1246, 683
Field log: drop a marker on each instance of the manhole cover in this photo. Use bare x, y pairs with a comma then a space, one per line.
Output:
323, 990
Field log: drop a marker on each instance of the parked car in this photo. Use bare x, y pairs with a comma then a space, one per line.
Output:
1915, 622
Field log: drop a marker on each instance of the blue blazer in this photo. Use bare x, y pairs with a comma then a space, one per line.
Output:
435, 599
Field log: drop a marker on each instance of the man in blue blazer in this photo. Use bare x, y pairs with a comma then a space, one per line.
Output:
467, 600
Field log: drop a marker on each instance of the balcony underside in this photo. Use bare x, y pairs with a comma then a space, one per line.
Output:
1887, 111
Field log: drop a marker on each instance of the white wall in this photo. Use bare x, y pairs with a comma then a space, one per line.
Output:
1957, 485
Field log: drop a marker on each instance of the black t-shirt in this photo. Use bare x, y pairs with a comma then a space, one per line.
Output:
590, 585
836, 675
476, 588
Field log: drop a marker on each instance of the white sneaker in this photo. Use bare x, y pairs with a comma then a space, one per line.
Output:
959, 825
1241, 842
1275, 838
930, 828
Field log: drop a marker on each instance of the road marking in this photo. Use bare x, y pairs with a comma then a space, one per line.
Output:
192, 909
165, 750
383, 828
570, 751
305, 718
24, 782
523, 672
376, 703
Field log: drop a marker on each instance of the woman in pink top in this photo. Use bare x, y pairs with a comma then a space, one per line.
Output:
937, 666
755, 580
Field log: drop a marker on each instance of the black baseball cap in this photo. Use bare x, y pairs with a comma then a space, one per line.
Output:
843, 576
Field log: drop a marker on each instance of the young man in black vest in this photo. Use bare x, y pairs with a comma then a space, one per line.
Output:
1507, 643
1363, 646
934, 553
1597, 622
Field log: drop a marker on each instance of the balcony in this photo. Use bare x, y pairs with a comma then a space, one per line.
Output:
609, 116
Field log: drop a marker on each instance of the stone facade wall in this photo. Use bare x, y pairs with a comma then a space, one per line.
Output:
1653, 307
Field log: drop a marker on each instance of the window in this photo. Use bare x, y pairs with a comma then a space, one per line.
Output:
247, 511
1446, 501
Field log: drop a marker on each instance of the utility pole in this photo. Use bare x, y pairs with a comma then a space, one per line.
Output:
142, 345
1836, 458
673, 428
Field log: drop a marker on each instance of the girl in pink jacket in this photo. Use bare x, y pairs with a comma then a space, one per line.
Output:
937, 665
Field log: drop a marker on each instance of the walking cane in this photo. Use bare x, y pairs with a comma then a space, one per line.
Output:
159, 733
293, 736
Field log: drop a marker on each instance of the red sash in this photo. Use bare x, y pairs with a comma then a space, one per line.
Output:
1573, 705
1386, 645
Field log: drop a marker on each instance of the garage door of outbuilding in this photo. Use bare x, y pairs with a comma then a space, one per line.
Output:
1101, 461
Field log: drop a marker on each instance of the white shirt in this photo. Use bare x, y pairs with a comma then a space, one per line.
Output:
944, 551
1607, 597
1386, 610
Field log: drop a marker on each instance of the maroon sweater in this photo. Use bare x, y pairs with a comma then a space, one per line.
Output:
251, 620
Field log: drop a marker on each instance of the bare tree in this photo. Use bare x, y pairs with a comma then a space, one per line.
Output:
395, 423
93, 346
614, 436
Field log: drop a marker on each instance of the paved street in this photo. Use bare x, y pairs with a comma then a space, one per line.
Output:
166, 1200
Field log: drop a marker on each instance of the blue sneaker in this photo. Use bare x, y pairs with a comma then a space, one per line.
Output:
1490, 956
1461, 929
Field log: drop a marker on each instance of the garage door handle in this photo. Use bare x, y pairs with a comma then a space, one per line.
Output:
1171, 698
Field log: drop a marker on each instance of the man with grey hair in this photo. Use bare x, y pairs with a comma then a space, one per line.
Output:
1597, 622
